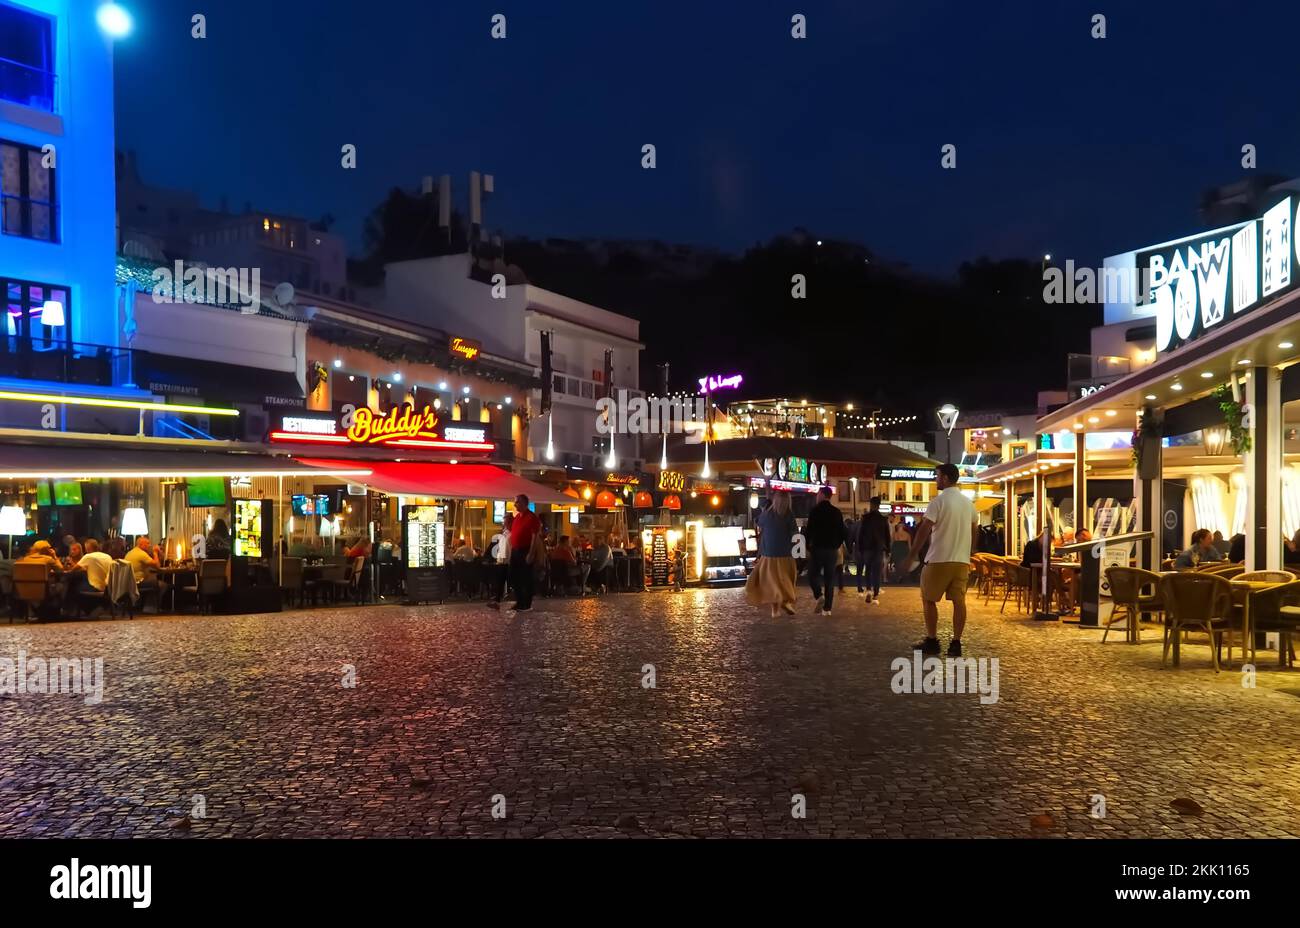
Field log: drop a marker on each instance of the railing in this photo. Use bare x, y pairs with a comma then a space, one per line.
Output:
87, 365
27, 85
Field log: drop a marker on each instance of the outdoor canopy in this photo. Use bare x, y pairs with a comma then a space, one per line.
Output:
93, 462
448, 481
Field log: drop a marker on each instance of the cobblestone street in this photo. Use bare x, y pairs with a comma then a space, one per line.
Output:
457, 704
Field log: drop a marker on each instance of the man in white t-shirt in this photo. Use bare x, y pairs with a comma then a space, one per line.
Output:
951, 526
96, 564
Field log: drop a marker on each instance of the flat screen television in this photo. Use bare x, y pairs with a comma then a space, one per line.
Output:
67, 493
311, 505
201, 492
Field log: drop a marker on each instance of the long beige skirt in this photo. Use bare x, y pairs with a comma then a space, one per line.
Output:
772, 582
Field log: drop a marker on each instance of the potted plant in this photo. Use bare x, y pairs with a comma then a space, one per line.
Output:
1233, 417
1146, 446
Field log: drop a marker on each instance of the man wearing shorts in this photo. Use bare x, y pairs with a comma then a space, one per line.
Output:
950, 526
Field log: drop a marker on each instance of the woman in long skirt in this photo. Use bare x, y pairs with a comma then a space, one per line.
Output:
772, 583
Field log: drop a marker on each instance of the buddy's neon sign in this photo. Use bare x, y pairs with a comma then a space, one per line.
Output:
405, 422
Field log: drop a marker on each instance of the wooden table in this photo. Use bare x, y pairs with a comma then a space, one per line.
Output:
1241, 590
172, 574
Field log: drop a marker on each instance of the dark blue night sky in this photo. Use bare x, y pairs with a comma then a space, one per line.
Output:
1066, 144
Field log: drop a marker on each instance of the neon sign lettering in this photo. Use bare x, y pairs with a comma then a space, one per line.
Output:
405, 422
711, 384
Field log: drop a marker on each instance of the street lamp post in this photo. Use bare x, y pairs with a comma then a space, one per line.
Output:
948, 414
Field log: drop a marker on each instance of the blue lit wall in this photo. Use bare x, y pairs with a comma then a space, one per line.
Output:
81, 129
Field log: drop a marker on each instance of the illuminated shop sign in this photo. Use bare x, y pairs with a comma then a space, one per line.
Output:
1199, 283
466, 348
672, 481
402, 426
794, 470
714, 383
775, 483
906, 473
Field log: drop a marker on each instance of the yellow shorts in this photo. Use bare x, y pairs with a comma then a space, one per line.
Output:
948, 578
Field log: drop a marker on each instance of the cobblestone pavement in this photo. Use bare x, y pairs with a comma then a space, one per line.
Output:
455, 705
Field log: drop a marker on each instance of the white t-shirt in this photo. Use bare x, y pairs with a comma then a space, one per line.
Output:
501, 548
97, 564
953, 516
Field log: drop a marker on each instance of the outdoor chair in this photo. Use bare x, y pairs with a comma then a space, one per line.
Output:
1276, 609
291, 577
996, 577
1126, 586
209, 582
32, 588
1196, 600
331, 577
1017, 581
1266, 576
1227, 571
347, 585
1057, 594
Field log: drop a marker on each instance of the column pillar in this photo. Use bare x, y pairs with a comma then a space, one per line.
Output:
1080, 491
1012, 517
1263, 463
1148, 490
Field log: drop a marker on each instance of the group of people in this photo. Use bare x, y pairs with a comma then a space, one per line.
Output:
945, 539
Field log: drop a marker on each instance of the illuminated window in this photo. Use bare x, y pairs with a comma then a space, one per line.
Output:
26, 305
28, 192
918, 493
900, 492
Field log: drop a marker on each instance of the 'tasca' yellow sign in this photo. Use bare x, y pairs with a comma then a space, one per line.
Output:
403, 422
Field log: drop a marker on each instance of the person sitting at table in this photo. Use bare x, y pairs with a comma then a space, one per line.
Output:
361, 549
602, 557
1237, 549
116, 548
95, 566
75, 552
1033, 553
144, 562
1202, 551
217, 544
465, 551
42, 552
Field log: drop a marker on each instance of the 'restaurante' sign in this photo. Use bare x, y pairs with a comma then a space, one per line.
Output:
1199, 283
401, 426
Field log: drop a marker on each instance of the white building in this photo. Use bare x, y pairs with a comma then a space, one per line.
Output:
439, 292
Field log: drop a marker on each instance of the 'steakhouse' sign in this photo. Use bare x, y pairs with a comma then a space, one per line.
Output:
1202, 282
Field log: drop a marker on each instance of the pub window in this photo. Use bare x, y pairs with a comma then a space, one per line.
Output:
27, 190
900, 492
38, 317
918, 493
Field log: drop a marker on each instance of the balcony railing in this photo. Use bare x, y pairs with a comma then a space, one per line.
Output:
86, 365
26, 85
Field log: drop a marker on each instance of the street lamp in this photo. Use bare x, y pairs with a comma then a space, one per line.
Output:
113, 20
948, 414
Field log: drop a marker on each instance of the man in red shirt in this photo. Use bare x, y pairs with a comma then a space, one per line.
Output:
526, 527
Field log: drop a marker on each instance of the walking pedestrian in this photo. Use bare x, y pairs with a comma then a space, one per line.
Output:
525, 535
950, 525
872, 545
898, 549
825, 533
772, 581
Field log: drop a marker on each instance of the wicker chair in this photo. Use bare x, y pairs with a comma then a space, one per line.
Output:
1276, 609
1266, 576
1017, 581
1227, 571
1126, 585
1196, 600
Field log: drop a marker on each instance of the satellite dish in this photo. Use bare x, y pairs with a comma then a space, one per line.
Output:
284, 294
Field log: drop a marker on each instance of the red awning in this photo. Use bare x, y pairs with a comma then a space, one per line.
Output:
448, 481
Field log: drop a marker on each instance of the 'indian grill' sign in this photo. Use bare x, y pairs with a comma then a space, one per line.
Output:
466, 348
1198, 283
403, 426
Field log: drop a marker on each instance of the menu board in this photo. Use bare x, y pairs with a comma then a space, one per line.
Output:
660, 563
248, 528
425, 537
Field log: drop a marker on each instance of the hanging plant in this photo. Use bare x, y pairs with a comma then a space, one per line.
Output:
1148, 430
1233, 417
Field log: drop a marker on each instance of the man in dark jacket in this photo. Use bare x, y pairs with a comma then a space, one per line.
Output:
825, 534
873, 543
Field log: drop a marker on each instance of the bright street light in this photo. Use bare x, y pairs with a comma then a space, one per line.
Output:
114, 20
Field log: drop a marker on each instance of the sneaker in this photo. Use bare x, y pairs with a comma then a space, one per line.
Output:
927, 646
819, 603
826, 612
954, 648
876, 600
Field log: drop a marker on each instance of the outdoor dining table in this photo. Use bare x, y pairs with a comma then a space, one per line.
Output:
172, 575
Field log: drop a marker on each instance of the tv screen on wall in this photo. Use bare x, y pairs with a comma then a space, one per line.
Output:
67, 493
202, 492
